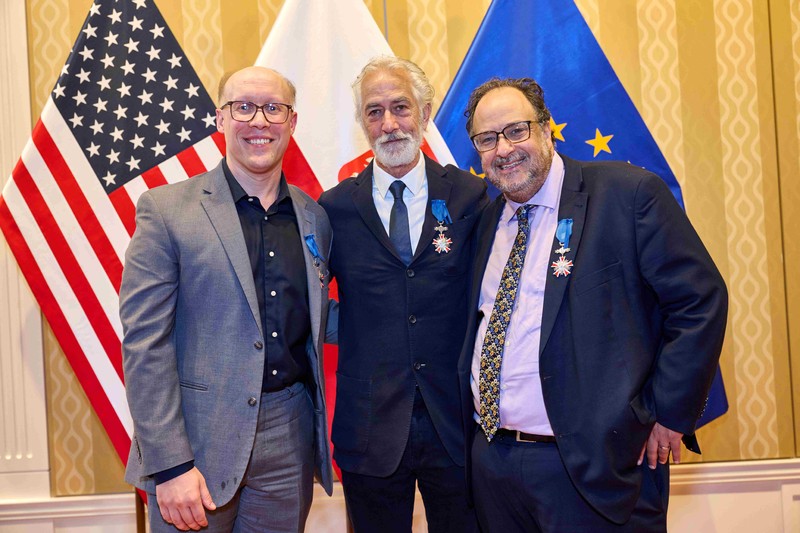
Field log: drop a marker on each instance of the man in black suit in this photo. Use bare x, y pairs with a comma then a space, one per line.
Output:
401, 253
596, 323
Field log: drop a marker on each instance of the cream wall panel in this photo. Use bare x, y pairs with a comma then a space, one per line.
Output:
775, 239
751, 328
427, 25
23, 428
785, 41
267, 13
661, 84
202, 39
50, 36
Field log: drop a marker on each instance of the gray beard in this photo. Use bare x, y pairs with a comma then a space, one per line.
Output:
397, 156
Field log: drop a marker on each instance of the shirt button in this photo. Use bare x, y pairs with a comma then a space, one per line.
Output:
258, 345
272, 254
412, 319
410, 273
274, 372
272, 293
252, 401
250, 199
274, 334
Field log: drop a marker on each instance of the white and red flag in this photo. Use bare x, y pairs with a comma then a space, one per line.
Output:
127, 113
322, 46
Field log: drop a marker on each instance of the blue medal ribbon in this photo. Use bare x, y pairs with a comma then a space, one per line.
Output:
439, 209
311, 242
564, 231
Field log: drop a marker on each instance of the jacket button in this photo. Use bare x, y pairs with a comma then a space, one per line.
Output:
412, 319
417, 366
252, 401
258, 345
410, 272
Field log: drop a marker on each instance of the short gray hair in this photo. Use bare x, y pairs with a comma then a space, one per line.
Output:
421, 86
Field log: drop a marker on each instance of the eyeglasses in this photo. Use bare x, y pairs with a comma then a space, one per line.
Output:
514, 133
274, 112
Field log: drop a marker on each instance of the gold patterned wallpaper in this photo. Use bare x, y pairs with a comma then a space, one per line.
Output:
717, 82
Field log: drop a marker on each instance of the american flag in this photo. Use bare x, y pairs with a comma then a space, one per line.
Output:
127, 113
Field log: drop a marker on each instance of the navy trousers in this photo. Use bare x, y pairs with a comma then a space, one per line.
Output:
386, 505
524, 487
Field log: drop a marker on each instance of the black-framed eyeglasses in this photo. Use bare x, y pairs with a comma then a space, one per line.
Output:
514, 133
274, 112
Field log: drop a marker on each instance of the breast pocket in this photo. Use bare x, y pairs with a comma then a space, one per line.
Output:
598, 278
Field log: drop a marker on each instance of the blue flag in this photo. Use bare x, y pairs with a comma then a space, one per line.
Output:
593, 118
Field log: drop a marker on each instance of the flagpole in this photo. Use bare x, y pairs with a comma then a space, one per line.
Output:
140, 518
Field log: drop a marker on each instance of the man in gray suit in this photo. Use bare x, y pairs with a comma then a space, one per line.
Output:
224, 303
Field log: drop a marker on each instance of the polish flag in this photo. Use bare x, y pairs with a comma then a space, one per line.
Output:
322, 46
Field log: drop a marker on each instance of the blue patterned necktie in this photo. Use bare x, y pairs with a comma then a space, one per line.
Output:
398, 223
495, 338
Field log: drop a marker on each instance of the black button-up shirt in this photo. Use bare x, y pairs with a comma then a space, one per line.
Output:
276, 257
279, 272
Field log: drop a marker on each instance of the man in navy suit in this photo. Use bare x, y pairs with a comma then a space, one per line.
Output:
401, 253
596, 323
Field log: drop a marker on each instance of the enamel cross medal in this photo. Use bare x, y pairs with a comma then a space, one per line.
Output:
441, 242
562, 266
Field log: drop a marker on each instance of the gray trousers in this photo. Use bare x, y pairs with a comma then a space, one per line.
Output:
275, 494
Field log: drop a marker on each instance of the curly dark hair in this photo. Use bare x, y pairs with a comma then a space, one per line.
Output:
527, 86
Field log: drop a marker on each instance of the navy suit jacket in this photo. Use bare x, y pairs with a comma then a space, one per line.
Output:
632, 336
398, 325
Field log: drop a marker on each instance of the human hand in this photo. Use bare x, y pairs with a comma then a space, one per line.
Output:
182, 500
661, 441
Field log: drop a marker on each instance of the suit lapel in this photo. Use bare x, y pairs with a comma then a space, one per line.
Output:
439, 189
362, 199
307, 225
221, 211
572, 205
485, 234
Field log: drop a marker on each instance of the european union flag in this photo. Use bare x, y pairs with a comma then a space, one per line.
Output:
592, 115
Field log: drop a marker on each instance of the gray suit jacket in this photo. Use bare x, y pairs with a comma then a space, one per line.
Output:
193, 346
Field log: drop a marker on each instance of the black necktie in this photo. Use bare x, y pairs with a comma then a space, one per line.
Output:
398, 223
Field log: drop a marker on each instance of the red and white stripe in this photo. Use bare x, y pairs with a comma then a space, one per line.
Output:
69, 237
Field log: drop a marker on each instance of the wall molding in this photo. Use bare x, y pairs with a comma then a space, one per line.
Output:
717, 475
733, 497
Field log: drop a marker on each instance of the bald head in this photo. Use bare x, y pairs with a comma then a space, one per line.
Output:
241, 76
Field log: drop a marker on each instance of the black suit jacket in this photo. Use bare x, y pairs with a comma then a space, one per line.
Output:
398, 325
632, 336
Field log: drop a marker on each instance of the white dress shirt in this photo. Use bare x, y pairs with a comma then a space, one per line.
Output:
415, 196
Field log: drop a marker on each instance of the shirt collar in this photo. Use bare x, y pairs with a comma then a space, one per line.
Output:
414, 179
238, 192
548, 196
